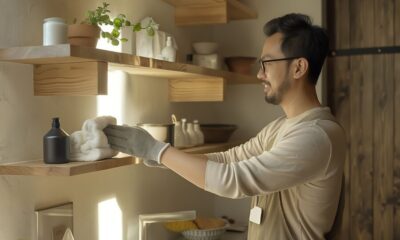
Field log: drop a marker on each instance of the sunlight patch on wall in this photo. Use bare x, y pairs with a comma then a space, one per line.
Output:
110, 220
113, 103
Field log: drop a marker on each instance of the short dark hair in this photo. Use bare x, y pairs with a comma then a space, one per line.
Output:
301, 39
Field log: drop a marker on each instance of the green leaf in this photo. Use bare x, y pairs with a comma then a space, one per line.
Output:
115, 33
115, 42
108, 35
103, 34
150, 31
127, 23
124, 39
117, 22
137, 27
104, 18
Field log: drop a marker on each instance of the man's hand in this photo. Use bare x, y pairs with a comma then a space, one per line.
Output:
135, 141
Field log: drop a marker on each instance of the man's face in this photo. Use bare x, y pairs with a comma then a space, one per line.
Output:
275, 78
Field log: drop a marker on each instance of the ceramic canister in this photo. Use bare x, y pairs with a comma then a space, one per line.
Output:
54, 31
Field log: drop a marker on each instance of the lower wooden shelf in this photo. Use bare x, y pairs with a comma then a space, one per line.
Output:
39, 168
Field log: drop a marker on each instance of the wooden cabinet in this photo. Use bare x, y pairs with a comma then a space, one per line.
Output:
66, 70
198, 12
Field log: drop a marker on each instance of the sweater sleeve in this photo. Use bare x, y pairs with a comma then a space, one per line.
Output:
298, 157
243, 151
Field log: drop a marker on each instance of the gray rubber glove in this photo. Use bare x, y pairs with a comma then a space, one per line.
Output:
135, 141
151, 163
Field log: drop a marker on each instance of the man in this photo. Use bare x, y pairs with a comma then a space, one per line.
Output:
293, 168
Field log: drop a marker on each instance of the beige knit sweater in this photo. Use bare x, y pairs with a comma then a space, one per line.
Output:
292, 169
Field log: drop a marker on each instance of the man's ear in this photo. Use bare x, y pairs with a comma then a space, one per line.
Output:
300, 68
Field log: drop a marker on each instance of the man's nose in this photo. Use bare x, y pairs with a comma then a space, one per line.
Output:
261, 74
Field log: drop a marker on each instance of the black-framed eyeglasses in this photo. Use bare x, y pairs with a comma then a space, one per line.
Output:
262, 62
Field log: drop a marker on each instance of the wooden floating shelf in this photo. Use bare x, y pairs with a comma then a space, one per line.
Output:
66, 70
39, 168
198, 12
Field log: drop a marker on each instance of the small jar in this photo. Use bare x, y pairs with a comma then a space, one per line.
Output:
199, 133
192, 135
179, 138
54, 31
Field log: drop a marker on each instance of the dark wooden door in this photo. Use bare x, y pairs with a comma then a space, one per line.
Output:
364, 94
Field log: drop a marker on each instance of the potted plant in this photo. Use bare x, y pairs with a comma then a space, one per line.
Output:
88, 31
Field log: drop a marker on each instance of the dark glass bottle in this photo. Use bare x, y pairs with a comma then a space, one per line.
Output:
56, 144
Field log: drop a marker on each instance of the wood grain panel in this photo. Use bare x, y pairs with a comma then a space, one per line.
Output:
39, 168
136, 65
70, 79
361, 153
197, 12
383, 147
201, 14
362, 125
383, 119
238, 11
396, 164
341, 109
195, 90
374, 114
339, 84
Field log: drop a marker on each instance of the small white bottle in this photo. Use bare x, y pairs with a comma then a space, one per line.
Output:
179, 138
199, 133
192, 135
185, 134
168, 53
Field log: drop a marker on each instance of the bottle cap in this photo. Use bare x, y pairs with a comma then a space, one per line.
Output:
169, 41
56, 123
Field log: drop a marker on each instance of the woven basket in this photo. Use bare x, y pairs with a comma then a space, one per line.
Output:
204, 234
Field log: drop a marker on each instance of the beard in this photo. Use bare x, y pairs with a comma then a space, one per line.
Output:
276, 97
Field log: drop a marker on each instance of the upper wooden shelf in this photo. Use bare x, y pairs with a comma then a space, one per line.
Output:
197, 12
39, 168
65, 53
66, 70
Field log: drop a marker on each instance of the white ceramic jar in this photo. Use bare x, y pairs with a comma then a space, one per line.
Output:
185, 134
54, 31
199, 133
192, 135
179, 138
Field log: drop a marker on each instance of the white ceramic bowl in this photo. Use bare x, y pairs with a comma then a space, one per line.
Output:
205, 47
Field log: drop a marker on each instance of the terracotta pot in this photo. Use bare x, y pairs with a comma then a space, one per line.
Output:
83, 35
240, 64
